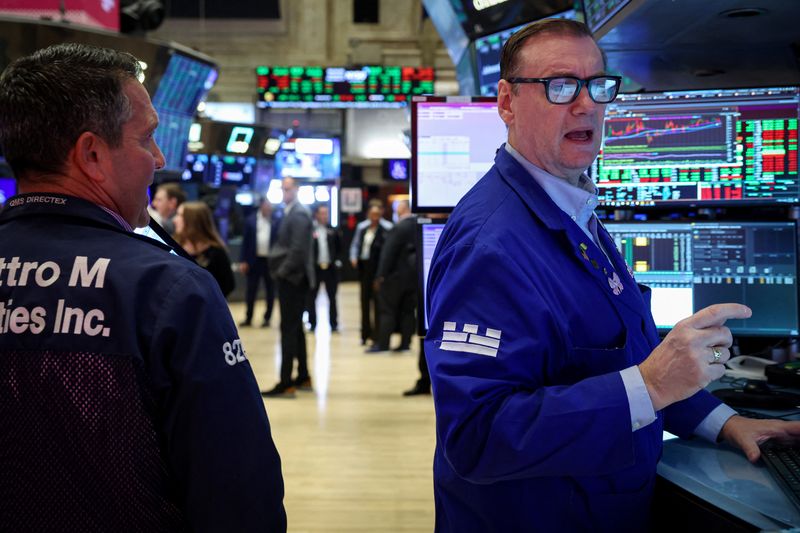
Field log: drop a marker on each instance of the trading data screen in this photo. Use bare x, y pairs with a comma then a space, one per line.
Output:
690, 266
598, 12
487, 55
731, 146
430, 233
453, 145
184, 83
367, 86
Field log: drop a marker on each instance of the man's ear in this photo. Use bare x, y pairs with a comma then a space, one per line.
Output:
504, 96
90, 155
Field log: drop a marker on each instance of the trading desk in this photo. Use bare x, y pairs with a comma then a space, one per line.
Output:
722, 477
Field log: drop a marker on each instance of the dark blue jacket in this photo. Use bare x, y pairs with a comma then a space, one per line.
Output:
528, 332
126, 399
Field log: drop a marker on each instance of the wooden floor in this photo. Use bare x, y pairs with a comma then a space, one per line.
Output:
357, 455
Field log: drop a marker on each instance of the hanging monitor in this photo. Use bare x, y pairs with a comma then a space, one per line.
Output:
711, 146
453, 144
309, 158
183, 85
692, 265
339, 87
487, 54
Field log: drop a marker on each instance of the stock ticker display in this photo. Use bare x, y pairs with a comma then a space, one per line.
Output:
689, 266
367, 86
700, 147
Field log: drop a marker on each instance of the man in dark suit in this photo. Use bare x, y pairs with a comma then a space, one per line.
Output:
396, 282
365, 251
291, 264
327, 251
260, 234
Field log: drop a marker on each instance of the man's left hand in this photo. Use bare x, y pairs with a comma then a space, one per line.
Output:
748, 433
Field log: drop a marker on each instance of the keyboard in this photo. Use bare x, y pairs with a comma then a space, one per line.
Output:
783, 463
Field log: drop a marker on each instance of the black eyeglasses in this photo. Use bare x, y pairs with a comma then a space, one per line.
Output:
565, 89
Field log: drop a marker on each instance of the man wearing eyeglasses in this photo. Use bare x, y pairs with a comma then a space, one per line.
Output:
550, 382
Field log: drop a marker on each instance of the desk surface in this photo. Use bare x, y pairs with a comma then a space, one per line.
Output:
722, 476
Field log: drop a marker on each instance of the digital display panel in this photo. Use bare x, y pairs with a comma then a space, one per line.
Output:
309, 158
734, 146
219, 170
690, 266
487, 55
183, 85
367, 86
453, 144
397, 169
598, 12
428, 237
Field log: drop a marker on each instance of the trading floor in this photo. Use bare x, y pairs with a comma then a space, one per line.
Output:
357, 455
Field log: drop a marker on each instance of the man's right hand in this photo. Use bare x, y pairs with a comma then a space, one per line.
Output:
684, 361
354, 262
244, 267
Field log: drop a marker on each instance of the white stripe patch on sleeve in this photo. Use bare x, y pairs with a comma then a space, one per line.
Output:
469, 341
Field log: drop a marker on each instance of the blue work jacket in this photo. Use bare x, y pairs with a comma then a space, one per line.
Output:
127, 402
530, 324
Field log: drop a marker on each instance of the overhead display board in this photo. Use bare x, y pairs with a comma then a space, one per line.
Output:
366, 86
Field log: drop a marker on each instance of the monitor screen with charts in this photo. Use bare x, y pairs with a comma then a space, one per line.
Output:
703, 147
427, 238
691, 265
453, 144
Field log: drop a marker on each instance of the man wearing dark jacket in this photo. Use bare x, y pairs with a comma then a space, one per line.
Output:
126, 398
327, 253
291, 264
260, 234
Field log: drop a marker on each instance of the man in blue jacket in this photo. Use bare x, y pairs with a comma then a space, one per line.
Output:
550, 385
260, 234
127, 402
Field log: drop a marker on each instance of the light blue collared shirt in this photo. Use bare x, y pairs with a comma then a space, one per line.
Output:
579, 203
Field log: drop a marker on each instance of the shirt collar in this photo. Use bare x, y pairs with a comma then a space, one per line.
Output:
578, 202
121, 221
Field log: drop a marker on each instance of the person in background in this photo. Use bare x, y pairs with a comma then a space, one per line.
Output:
291, 263
260, 234
327, 253
551, 385
196, 233
365, 251
396, 282
168, 197
135, 408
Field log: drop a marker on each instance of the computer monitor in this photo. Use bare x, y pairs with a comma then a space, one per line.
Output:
599, 13
453, 144
183, 85
487, 54
428, 233
230, 170
309, 158
396, 169
691, 265
700, 147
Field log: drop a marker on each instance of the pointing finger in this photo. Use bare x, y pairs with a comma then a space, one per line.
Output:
716, 315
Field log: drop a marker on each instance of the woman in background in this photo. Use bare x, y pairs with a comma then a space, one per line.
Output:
196, 232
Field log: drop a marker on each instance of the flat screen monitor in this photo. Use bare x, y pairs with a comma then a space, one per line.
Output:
185, 82
692, 265
8, 188
599, 12
720, 146
230, 170
453, 144
428, 234
365, 86
309, 159
396, 169
487, 54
